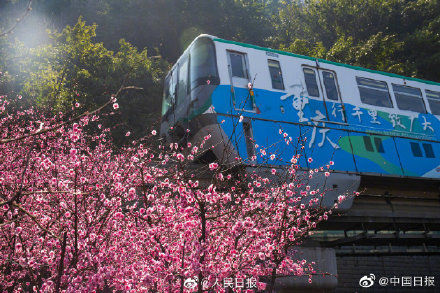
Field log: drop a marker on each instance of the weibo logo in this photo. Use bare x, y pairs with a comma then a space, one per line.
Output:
367, 281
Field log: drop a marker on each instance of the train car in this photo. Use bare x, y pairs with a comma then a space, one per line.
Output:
256, 101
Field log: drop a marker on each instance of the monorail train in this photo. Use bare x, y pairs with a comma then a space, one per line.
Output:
254, 100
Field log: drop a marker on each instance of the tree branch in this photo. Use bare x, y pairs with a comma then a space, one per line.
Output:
87, 113
61, 267
34, 219
18, 20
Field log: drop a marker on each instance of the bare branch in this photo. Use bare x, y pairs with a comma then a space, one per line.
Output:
54, 191
87, 113
43, 192
18, 20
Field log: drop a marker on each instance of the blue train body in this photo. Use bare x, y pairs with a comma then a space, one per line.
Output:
255, 100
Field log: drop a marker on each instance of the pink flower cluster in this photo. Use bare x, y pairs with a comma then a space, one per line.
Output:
76, 215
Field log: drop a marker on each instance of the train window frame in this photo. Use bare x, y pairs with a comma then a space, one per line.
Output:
179, 99
335, 84
169, 99
379, 145
434, 97
429, 150
400, 94
416, 149
368, 144
307, 84
209, 67
245, 66
280, 74
370, 87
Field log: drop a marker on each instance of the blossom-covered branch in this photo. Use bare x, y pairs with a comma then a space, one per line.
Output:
42, 130
144, 217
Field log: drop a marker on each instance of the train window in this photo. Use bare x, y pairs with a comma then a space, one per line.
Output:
182, 87
238, 65
416, 150
374, 92
167, 102
169, 92
203, 65
409, 98
429, 151
434, 101
368, 144
275, 74
379, 145
330, 85
311, 84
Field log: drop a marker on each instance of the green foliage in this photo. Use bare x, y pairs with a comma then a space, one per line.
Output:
164, 26
399, 36
74, 68
376, 52
71, 69
86, 63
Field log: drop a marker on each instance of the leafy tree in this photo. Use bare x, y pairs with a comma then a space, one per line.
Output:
167, 25
75, 69
393, 35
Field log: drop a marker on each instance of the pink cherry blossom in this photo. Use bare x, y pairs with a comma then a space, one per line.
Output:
136, 218
73, 151
213, 166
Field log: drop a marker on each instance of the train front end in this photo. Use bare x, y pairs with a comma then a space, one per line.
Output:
188, 115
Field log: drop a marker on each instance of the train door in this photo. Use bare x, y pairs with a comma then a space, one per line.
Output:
322, 83
239, 78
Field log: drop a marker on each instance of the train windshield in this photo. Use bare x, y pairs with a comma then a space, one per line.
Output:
203, 65
169, 94
202, 71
